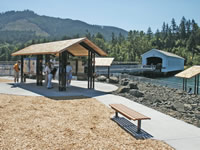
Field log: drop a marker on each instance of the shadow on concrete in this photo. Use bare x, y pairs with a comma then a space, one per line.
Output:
54, 93
67, 97
131, 128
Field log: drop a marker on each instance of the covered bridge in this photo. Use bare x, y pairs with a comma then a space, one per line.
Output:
62, 49
167, 61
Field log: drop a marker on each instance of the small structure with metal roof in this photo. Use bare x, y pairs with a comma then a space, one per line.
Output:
62, 49
191, 72
169, 62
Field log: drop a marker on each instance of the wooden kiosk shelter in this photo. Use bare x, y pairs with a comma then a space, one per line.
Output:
193, 71
104, 62
62, 49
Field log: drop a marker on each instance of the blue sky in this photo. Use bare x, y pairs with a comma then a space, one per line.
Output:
126, 14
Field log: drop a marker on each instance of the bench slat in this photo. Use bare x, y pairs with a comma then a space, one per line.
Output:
129, 113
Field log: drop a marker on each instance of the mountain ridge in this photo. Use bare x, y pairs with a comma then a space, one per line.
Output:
46, 26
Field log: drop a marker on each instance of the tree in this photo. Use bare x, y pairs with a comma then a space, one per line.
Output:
149, 33
121, 38
182, 28
188, 26
174, 26
88, 35
113, 40
191, 44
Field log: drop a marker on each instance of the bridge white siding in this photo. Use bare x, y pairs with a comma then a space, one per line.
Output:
169, 63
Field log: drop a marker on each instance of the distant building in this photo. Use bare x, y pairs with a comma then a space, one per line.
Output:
167, 62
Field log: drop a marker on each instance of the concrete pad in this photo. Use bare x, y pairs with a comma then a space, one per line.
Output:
177, 133
77, 88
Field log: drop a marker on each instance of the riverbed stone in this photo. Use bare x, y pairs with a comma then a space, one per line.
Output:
133, 85
178, 103
187, 107
179, 106
136, 93
197, 116
114, 80
123, 89
101, 78
198, 123
124, 81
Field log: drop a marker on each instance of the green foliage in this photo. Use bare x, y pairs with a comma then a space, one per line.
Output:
182, 39
51, 27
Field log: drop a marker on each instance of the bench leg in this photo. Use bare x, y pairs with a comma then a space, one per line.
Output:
116, 114
139, 126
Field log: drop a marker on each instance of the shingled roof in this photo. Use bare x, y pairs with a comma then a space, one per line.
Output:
189, 73
103, 61
76, 47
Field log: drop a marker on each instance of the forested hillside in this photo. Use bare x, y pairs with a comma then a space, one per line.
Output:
51, 27
182, 39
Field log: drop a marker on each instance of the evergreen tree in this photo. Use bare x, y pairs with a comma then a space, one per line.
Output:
149, 33
174, 26
182, 28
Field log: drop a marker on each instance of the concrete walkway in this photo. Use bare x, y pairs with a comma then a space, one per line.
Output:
178, 134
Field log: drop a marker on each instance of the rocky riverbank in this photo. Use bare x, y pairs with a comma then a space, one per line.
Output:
173, 102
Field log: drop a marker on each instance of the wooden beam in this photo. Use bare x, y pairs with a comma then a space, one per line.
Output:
22, 67
186, 85
108, 72
62, 71
88, 69
39, 70
197, 84
76, 72
93, 70
89, 48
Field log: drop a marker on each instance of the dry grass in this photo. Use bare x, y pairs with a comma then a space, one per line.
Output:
42, 123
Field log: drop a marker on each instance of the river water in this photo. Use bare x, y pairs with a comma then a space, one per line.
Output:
178, 82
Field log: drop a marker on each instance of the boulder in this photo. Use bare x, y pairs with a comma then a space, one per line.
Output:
187, 107
197, 116
198, 123
124, 81
179, 92
178, 106
194, 106
136, 93
133, 85
123, 89
101, 78
114, 80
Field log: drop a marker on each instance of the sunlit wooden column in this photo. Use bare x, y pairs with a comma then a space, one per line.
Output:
93, 70
89, 69
22, 67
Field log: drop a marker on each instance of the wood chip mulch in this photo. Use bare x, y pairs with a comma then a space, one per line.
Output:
60, 124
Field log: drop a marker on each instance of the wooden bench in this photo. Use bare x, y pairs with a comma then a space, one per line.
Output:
129, 113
